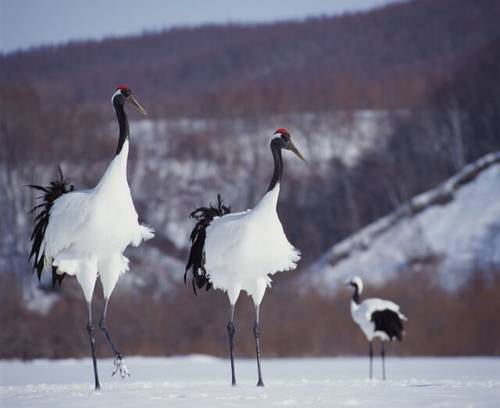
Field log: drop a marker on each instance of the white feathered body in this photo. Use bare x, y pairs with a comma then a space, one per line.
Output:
362, 315
89, 230
243, 249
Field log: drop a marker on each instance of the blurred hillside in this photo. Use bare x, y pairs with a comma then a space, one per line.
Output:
455, 228
387, 58
385, 105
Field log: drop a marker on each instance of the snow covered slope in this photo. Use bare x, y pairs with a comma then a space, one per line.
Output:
457, 225
200, 381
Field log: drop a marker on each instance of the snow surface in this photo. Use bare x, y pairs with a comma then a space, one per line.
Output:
202, 381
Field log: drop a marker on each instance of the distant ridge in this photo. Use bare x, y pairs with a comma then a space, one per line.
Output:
385, 58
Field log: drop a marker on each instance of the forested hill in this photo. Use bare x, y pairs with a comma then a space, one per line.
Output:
386, 58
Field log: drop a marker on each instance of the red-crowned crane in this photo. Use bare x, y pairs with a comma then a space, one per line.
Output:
376, 318
238, 251
84, 233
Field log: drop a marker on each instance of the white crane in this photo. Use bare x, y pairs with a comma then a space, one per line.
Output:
376, 318
238, 251
84, 233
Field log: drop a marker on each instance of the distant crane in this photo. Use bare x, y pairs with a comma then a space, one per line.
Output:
239, 251
84, 233
376, 318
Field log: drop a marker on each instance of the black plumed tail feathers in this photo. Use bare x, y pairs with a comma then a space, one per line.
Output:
196, 261
389, 322
41, 212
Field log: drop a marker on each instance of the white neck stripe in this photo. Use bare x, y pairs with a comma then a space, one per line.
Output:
275, 136
118, 92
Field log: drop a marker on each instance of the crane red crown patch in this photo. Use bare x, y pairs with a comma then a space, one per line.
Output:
283, 131
122, 87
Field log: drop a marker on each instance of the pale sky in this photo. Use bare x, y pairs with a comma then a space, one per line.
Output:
28, 23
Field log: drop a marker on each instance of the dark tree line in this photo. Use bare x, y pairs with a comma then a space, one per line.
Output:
387, 58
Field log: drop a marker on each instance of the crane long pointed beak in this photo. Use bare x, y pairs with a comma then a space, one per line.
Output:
137, 105
296, 151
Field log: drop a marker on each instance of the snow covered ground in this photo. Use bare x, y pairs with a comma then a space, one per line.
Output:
201, 381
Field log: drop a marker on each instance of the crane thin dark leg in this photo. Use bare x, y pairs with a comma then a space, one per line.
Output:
256, 333
104, 328
230, 331
383, 360
119, 364
370, 353
91, 332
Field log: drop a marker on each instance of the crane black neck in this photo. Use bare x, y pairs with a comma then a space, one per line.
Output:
124, 126
278, 166
355, 295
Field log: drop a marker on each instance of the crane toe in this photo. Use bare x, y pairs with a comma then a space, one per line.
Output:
120, 367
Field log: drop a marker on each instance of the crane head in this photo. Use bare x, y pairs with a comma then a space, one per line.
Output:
123, 94
356, 283
282, 140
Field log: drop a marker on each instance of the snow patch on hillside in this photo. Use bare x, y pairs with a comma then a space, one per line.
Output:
234, 155
458, 223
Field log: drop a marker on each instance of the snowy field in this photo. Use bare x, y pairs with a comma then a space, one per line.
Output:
200, 381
